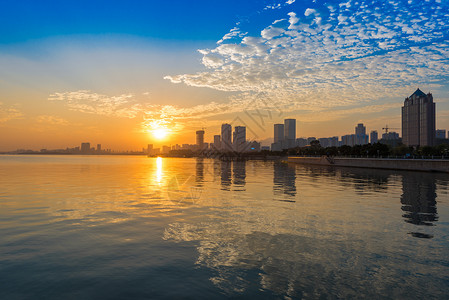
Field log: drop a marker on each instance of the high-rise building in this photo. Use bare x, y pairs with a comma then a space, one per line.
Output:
200, 139
418, 120
239, 138
361, 138
278, 133
440, 133
217, 142
373, 137
290, 132
98, 147
226, 137
165, 149
348, 140
85, 147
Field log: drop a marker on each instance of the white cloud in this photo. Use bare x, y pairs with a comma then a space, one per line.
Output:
123, 106
309, 12
271, 32
346, 54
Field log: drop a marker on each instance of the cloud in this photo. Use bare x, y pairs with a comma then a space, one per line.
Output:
8, 113
122, 106
309, 12
356, 52
51, 120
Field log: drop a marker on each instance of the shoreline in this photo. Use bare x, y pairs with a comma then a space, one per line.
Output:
423, 165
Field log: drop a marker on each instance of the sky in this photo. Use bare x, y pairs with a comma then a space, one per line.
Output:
114, 72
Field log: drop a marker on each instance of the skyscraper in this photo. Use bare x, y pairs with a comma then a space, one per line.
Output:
226, 137
374, 137
239, 141
418, 120
85, 147
290, 129
278, 133
217, 142
361, 138
200, 139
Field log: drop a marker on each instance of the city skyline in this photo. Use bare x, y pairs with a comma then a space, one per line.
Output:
145, 79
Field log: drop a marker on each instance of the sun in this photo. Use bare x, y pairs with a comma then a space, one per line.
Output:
160, 133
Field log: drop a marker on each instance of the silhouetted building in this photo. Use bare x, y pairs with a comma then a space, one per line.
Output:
348, 140
217, 142
279, 141
374, 137
418, 120
324, 142
85, 147
278, 133
391, 139
165, 149
290, 133
200, 139
239, 141
226, 137
361, 138
98, 147
390, 136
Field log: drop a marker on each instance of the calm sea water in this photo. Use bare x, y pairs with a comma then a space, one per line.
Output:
106, 227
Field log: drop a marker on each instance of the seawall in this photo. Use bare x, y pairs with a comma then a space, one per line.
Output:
427, 165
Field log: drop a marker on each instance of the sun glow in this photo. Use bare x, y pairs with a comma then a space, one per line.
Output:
160, 133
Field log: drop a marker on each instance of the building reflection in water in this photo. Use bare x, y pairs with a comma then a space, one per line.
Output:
284, 180
239, 174
418, 199
199, 175
225, 175
304, 257
362, 180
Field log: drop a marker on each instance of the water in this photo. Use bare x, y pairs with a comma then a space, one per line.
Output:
117, 227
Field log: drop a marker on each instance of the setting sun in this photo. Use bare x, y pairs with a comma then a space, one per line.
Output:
160, 133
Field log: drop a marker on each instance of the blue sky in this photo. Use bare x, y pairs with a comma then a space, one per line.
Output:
184, 65
158, 19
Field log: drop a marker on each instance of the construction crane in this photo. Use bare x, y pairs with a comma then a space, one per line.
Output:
386, 128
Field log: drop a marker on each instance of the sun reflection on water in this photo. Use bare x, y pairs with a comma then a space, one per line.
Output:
159, 170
